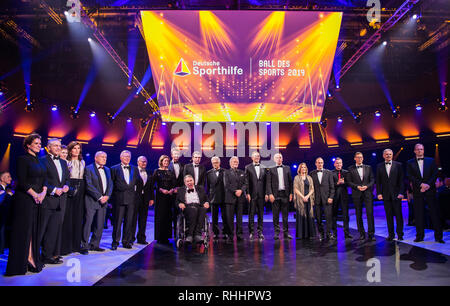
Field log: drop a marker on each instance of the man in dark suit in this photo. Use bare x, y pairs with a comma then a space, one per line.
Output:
280, 191
390, 190
235, 188
5, 205
216, 193
125, 178
54, 205
422, 172
255, 176
178, 168
323, 198
144, 199
197, 171
194, 203
99, 186
340, 197
361, 180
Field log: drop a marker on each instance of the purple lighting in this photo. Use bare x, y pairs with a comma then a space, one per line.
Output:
92, 114
54, 108
377, 114
129, 120
418, 107
340, 119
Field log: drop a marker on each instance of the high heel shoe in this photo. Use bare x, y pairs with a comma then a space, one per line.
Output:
33, 269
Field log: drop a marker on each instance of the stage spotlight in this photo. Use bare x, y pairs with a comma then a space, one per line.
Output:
92, 114
374, 154
339, 119
144, 122
74, 113
267, 123
377, 113
442, 105
30, 105
333, 159
89, 39
129, 86
324, 123
129, 120
414, 16
302, 123
110, 118
1, 93
163, 123
337, 87
384, 43
54, 108
357, 118
418, 107
396, 112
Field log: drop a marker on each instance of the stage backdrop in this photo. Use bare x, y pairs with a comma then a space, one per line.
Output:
241, 65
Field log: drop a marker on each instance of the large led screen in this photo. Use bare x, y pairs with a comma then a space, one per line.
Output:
241, 65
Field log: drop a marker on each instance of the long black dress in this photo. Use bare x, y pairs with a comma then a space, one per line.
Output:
305, 225
25, 215
163, 215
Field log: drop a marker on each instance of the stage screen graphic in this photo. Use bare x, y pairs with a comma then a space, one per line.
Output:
241, 66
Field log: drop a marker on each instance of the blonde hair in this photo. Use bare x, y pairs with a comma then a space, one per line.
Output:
300, 167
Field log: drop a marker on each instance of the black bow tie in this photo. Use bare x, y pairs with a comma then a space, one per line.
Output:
55, 157
420, 158
320, 171
196, 166
190, 190
357, 167
142, 170
101, 167
388, 163
280, 166
256, 165
126, 167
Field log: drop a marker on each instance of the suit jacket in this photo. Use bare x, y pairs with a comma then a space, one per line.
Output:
430, 173
123, 193
256, 186
52, 181
324, 190
5, 198
94, 186
215, 186
147, 188
181, 195
340, 190
390, 187
189, 169
234, 180
272, 181
354, 180
180, 178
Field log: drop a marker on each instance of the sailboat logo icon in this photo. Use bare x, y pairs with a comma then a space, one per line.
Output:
182, 69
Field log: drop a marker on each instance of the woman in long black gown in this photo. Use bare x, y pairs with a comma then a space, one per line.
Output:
304, 203
165, 189
73, 218
30, 193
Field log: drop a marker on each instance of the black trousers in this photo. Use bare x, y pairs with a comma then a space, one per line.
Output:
195, 219
281, 203
99, 214
215, 217
341, 200
419, 211
139, 219
393, 208
256, 206
367, 198
122, 214
411, 218
175, 211
231, 209
50, 228
326, 209
4, 214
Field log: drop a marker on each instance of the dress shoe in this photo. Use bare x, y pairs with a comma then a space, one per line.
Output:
33, 269
287, 236
198, 238
84, 252
418, 240
261, 236
97, 249
127, 246
250, 237
53, 261
142, 242
390, 238
188, 239
114, 247
440, 241
348, 236
400, 238
333, 237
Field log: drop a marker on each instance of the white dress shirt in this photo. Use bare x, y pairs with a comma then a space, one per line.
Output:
388, 166
176, 169
195, 174
257, 170
126, 173
102, 176
192, 197
143, 174
320, 175
360, 171
280, 178
58, 167
420, 163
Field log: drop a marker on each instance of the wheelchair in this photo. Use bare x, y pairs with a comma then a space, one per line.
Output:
182, 229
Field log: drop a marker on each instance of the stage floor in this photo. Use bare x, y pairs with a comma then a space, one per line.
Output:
265, 263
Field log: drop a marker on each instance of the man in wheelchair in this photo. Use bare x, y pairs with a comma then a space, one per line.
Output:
193, 202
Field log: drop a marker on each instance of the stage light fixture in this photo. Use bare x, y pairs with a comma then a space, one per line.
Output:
357, 117
396, 112
163, 123
144, 122
374, 154
333, 159
339, 119
418, 107
129, 120
129, 86
30, 105
377, 113
54, 108
110, 118
324, 123
384, 43
89, 39
442, 105
414, 16
92, 114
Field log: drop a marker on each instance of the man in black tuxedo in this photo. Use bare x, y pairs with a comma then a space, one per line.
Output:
256, 176
340, 197
54, 205
361, 180
99, 186
125, 178
422, 172
323, 198
279, 188
197, 171
5, 205
235, 188
178, 168
390, 190
193, 201
144, 199
216, 193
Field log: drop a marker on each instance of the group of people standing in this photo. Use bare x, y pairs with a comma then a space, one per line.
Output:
59, 205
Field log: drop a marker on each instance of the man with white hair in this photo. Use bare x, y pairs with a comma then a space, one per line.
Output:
53, 207
99, 188
125, 178
391, 190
